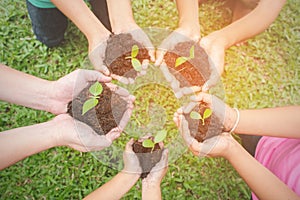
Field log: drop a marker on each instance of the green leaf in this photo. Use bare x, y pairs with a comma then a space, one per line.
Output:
134, 51
207, 113
88, 105
136, 64
160, 136
148, 143
180, 60
195, 115
192, 52
96, 89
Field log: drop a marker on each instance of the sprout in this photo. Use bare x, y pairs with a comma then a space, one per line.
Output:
95, 89
195, 115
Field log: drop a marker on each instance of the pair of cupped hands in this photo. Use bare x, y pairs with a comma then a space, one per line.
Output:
79, 136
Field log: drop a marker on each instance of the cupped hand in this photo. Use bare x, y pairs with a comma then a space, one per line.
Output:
177, 36
66, 88
131, 161
158, 171
81, 137
215, 50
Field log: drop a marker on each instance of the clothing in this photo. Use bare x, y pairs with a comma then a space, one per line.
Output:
282, 157
49, 24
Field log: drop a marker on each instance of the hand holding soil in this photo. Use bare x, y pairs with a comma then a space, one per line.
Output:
131, 161
80, 136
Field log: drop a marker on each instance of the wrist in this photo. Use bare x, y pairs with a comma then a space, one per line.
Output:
190, 31
216, 38
233, 149
124, 27
231, 119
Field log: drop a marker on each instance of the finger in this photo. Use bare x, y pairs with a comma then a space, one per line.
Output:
212, 81
163, 163
92, 75
185, 132
129, 144
160, 53
202, 97
121, 79
165, 70
145, 64
190, 90
113, 134
190, 107
151, 52
125, 119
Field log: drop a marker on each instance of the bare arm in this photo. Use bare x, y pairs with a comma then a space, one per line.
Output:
116, 187
79, 13
261, 181
189, 18
277, 122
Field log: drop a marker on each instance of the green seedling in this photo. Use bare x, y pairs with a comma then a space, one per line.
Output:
181, 60
195, 115
95, 90
159, 137
134, 61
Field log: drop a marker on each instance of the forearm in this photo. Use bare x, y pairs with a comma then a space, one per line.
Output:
121, 16
277, 122
189, 17
19, 143
151, 192
23, 89
252, 24
79, 13
261, 181
116, 187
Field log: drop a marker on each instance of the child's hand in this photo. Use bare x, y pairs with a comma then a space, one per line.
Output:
131, 161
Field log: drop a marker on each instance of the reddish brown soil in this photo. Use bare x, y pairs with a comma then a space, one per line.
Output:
212, 126
147, 158
107, 113
118, 48
194, 71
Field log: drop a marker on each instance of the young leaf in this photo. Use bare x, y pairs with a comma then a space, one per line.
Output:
207, 113
192, 52
160, 136
180, 60
136, 64
96, 89
195, 115
148, 143
88, 105
134, 51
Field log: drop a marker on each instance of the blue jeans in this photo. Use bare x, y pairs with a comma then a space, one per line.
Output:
49, 24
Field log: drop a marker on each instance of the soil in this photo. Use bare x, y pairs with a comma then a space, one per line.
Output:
107, 113
118, 48
194, 71
212, 125
147, 158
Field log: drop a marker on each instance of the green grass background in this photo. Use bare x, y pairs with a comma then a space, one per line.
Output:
263, 73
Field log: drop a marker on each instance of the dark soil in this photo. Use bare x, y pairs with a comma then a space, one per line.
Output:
118, 47
147, 158
107, 113
212, 126
194, 71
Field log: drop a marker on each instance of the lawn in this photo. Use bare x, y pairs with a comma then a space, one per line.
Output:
264, 72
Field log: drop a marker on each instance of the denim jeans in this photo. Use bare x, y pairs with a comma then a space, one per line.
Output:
49, 24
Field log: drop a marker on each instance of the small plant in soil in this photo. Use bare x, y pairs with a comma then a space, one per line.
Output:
183, 59
195, 115
159, 137
95, 90
134, 61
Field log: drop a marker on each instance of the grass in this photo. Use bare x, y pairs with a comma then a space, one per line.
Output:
263, 73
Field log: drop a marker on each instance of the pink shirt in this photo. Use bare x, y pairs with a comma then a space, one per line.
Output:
282, 157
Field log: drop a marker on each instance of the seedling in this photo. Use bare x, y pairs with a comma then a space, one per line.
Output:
95, 90
134, 61
195, 115
159, 137
181, 60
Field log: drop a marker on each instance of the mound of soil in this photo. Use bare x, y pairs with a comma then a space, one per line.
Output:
107, 113
147, 157
118, 48
192, 72
212, 125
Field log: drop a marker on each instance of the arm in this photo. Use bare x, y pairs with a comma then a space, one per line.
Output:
250, 25
261, 181
79, 13
189, 18
276, 122
116, 187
